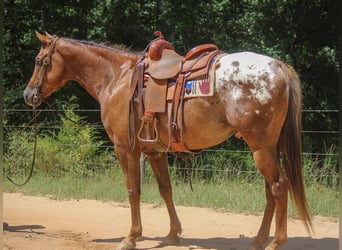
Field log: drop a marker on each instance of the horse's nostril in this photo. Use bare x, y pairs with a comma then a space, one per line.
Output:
31, 97
35, 97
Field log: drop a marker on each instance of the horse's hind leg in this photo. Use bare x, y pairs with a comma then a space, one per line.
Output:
276, 189
160, 168
264, 231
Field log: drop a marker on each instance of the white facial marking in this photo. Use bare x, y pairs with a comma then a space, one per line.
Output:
246, 68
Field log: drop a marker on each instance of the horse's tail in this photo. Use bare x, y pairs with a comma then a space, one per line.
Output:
290, 145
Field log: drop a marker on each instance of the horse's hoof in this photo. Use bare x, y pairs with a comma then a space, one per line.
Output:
255, 246
126, 245
171, 241
273, 246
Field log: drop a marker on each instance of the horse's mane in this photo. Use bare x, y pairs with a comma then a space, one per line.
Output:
115, 47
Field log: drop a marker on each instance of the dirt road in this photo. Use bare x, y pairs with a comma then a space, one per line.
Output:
44, 223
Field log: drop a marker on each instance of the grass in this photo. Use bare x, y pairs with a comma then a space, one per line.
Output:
72, 163
235, 195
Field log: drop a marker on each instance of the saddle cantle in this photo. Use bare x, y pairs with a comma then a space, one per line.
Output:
194, 52
159, 65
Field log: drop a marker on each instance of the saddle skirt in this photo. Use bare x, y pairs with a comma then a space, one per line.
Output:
168, 66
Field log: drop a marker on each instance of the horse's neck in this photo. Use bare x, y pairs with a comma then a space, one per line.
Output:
96, 69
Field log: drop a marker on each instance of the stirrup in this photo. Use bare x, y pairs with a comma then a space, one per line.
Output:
149, 138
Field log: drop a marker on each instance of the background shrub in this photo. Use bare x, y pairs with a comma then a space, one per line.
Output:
71, 147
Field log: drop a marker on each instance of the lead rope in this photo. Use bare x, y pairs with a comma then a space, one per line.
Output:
35, 130
187, 161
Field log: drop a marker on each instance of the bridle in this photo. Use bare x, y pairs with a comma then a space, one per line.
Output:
43, 63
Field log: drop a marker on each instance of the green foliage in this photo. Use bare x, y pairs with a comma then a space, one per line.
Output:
73, 148
301, 33
321, 171
220, 166
18, 153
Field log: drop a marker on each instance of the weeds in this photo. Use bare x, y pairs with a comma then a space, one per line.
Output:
75, 148
321, 171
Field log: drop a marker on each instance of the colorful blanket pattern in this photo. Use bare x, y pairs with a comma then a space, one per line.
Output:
199, 87
204, 85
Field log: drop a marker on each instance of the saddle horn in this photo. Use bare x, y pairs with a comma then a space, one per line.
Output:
159, 34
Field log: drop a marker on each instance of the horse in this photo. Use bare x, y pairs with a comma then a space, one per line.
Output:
256, 98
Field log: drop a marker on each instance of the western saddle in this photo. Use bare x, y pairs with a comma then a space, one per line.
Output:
159, 77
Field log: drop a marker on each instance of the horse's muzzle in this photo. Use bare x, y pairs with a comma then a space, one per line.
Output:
32, 96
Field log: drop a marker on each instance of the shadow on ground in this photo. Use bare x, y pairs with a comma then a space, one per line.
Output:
22, 228
218, 243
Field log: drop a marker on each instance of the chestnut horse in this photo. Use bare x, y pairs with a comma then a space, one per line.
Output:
256, 97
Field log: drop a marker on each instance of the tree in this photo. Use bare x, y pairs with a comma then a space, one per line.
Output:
302, 33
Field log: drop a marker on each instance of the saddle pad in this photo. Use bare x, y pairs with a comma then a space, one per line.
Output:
200, 86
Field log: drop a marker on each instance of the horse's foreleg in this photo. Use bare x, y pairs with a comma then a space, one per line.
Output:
129, 162
160, 168
277, 197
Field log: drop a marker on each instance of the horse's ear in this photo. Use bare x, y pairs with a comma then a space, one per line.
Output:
42, 38
48, 35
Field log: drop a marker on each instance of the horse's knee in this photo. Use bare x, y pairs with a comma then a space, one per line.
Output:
133, 193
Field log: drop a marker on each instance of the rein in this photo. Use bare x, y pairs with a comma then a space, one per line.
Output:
35, 129
43, 63
187, 161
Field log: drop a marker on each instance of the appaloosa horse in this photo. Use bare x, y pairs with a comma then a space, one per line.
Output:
256, 97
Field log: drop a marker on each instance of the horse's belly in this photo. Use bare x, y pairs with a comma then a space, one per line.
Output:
204, 124
206, 134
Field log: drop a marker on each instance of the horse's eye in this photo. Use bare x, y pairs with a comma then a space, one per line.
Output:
39, 62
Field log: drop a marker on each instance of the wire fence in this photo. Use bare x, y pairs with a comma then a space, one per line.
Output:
202, 166
98, 125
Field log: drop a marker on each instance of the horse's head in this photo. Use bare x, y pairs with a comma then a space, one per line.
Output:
48, 74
